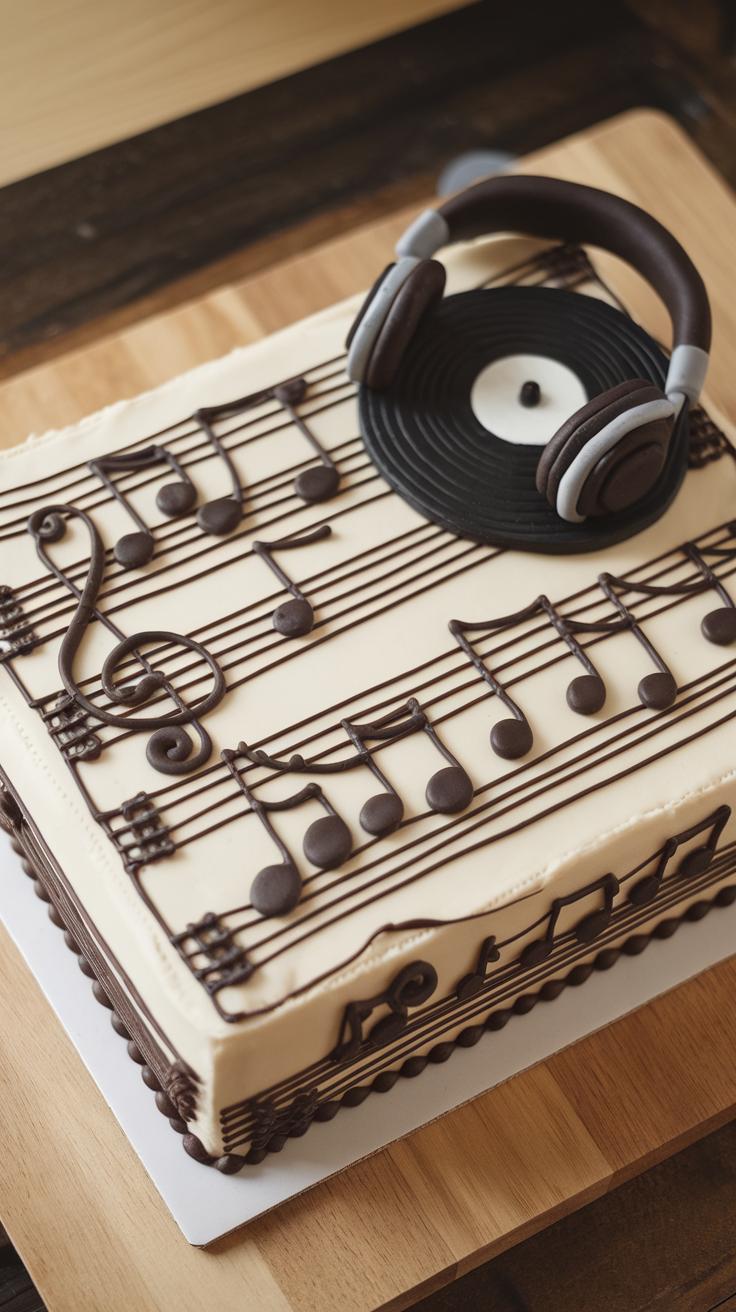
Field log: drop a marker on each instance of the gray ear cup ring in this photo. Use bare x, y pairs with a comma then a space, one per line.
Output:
615, 451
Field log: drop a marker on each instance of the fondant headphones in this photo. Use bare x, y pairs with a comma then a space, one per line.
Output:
611, 452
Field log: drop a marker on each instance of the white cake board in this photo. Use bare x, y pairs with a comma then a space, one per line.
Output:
206, 1204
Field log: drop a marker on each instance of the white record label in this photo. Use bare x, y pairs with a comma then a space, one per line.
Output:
496, 405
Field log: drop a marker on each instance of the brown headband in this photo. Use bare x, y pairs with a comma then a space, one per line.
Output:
566, 211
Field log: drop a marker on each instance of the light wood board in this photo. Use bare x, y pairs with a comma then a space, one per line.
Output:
76, 75
73, 1196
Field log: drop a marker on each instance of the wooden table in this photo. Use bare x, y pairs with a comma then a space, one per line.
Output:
73, 1195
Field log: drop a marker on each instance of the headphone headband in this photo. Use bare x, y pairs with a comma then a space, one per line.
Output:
566, 211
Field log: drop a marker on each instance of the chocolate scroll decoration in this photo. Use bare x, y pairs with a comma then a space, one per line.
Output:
411, 987
169, 746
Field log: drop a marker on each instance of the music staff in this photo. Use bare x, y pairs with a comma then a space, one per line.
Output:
586, 930
448, 790
295, 618
694, 863
221, 516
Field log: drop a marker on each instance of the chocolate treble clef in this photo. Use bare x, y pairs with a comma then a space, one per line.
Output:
169, 746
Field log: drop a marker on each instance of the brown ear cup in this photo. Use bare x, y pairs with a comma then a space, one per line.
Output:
421, 290
623, 474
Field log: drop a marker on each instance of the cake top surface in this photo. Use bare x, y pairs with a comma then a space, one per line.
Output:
304, 654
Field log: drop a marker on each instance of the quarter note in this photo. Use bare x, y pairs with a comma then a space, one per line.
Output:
509, 738
659, 690
694, 863
134, 550
472, 984
311, 485
586, 929
293, 618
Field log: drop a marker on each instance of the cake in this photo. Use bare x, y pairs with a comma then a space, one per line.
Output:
251, 709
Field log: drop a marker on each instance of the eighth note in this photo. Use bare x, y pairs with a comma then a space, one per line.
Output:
718, 626
509, 738
134, 550
276, 889
657, 691
586, 929
293, 619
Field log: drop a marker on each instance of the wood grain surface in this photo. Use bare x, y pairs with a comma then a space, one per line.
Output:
73, 1196
138, 64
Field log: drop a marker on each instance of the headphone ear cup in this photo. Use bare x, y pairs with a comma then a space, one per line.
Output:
627, 471
419, 293
360, 316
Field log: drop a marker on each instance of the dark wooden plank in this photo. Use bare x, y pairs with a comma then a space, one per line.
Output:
96, 234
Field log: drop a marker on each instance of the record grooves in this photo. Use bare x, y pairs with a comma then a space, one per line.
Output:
425, 440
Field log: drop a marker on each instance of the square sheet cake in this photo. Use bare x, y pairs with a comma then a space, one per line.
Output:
245, 737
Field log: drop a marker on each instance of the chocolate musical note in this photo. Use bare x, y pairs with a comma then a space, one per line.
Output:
509, 738
586, 929
473, 983
277, 888
694, 863
223, 515
718, 626
134, 550
411, 987
294, 618
312, 484
169, 747
586, 694
657, 691
448, 791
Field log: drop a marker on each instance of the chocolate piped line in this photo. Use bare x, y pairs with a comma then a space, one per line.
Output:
485, 842
437, 1017
684, 590
466, 705
561, 262
55, 491
423, 816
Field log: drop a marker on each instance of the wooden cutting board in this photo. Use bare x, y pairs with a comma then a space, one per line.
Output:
75, 1199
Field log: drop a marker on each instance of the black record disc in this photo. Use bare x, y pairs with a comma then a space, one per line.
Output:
422, 434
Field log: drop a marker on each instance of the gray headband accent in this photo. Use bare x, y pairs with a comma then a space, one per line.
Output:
686, 374
425, 236
375, 317
571, 483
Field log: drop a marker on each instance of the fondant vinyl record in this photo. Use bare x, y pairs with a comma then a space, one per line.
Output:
425, 437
